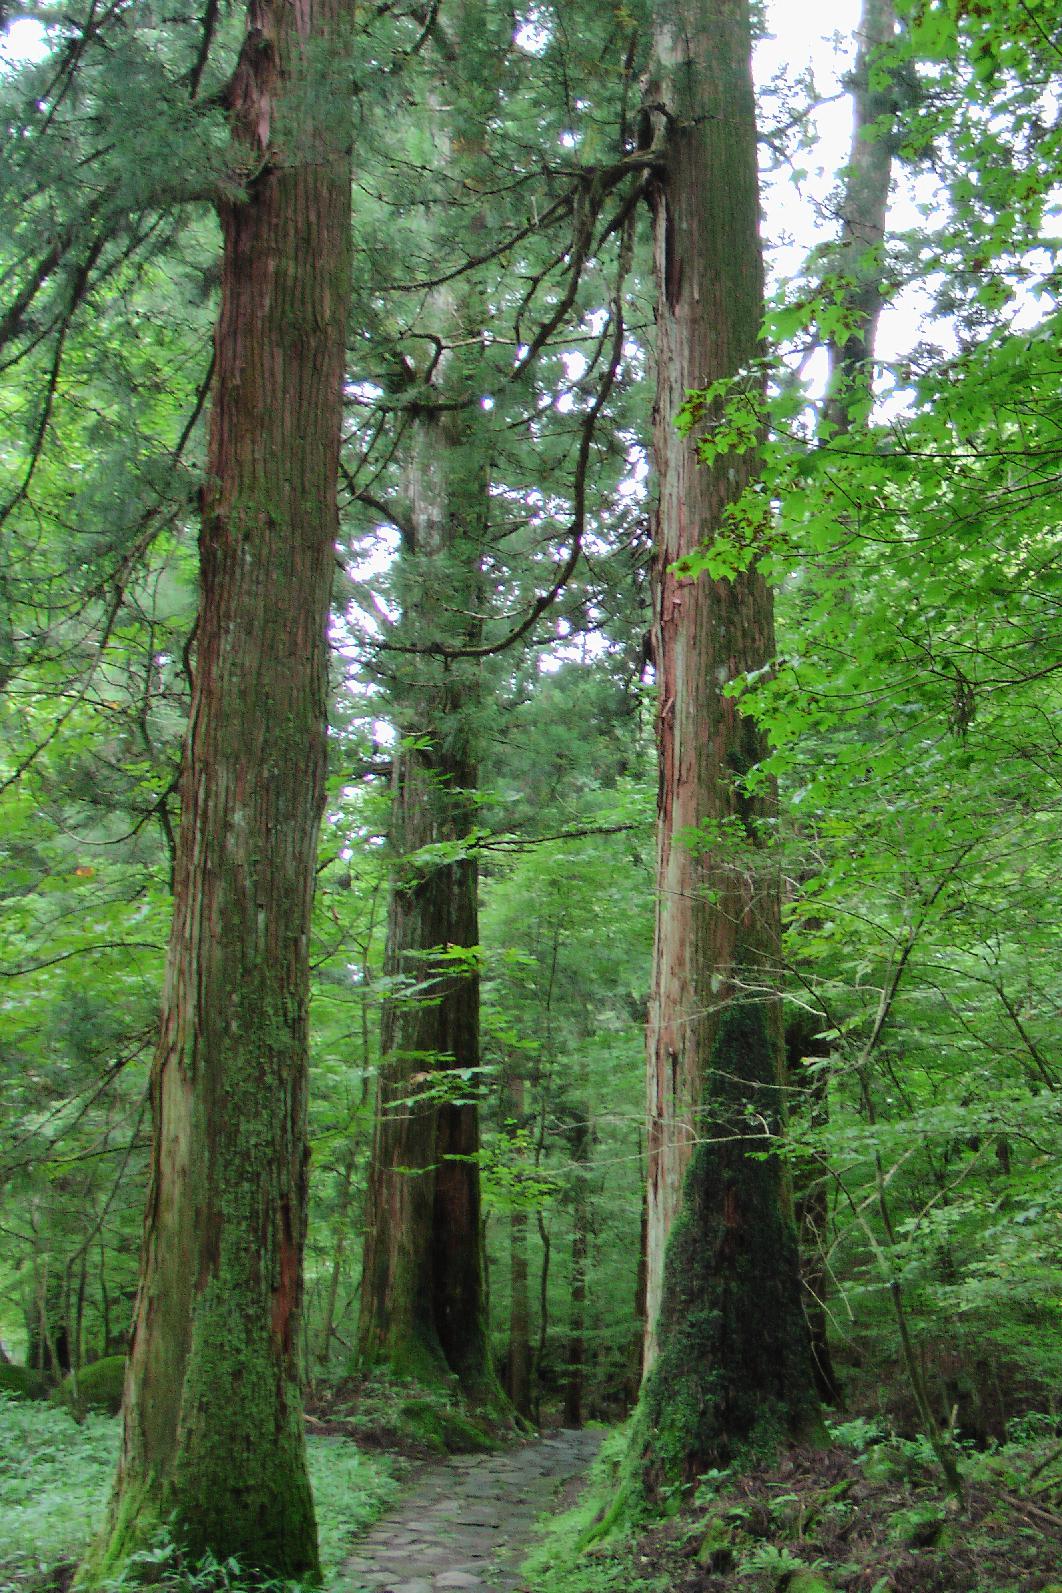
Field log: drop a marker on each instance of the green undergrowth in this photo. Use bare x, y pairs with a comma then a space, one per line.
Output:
22, 1382
869, 1513
566, 1561
54, 1478
56, 1473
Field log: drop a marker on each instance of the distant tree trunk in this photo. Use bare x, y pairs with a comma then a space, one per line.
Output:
423, 1295
637, 1361
423, 1309
213, 1441
47, 1325
811, 1204
863, 208
546, 1240
727, 1350
518, 1381
573, 1388
343, 1208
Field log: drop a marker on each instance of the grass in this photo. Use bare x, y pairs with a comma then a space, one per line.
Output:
55, 1475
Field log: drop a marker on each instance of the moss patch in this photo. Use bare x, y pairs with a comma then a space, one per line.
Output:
22, 1382
96, 1387
444, 1429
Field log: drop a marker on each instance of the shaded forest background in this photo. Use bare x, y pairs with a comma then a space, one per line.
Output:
496, 662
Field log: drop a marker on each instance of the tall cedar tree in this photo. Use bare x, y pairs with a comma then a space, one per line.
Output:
728, 1361
423, 1293
213, 1437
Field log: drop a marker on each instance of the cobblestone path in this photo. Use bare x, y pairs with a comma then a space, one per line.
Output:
466, 1525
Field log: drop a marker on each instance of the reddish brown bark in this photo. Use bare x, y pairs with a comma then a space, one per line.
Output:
726, 1352
717, 919
213, 1425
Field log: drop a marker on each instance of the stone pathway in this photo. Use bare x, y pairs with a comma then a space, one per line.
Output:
466, 1525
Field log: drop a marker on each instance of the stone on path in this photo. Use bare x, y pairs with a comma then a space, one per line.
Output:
464, 1526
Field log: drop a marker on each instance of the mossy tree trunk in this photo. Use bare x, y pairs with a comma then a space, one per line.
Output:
727, 1354
423, 1306
213, 1434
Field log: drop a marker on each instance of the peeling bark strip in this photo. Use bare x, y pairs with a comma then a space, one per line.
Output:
213, 1427
717, 928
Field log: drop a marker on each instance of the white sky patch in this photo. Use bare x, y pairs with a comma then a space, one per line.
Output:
576, 365
22, 41
796, 211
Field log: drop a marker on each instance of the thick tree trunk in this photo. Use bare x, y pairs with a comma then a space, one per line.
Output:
213, 1439
727, 1348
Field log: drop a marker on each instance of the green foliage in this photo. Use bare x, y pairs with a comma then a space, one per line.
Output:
55, 1475
562, 1026
562, 1561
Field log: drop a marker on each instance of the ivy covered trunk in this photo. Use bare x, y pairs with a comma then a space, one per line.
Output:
213, 1435
727, 1356
423, 1293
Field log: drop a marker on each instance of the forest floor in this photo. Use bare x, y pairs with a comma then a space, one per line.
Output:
467, 1523
868, 1514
